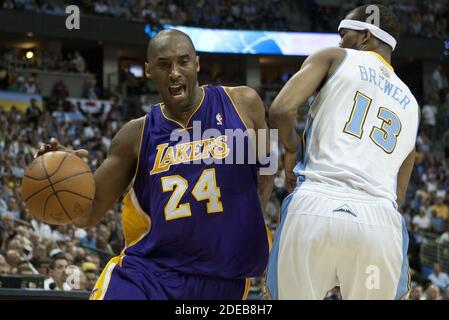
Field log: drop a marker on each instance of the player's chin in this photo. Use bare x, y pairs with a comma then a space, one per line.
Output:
178, 101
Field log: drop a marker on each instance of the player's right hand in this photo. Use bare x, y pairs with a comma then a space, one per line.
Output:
290, 159
54, 145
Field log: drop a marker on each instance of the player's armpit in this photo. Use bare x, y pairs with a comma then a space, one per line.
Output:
404, 177
115, 173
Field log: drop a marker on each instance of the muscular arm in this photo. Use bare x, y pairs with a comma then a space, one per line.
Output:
405, 171
298, 89
404, 177
115, 173
251, 109
294, 94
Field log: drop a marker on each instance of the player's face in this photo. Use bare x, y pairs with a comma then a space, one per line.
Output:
349, 39
173, 66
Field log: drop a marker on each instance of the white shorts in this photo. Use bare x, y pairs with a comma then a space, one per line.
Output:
330, 238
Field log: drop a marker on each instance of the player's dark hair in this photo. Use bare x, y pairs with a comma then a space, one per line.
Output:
387, 20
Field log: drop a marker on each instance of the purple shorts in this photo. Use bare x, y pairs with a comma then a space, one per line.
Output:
132, 278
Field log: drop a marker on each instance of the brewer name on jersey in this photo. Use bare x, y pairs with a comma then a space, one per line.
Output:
189, 151
381, 80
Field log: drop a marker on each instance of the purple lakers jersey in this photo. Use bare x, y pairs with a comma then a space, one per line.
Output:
188, 213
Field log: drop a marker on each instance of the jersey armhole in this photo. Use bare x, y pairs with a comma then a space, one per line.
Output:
234, 106
140, 151
329, 77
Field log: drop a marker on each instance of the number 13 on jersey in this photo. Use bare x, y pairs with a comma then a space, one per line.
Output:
384, 137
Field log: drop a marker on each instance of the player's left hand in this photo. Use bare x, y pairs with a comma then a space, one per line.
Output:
290, 159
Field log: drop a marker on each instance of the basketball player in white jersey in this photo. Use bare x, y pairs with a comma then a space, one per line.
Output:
341, 226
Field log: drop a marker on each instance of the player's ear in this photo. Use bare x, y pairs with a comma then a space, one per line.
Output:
197, 63
366, 37
147, 70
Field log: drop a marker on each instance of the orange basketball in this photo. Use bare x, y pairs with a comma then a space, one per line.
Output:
57, 187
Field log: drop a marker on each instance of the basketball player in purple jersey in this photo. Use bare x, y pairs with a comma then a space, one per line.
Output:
192, 230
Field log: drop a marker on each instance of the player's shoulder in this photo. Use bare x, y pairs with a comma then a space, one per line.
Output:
247, 102
136, 124
131, 132
332, 54
242, 95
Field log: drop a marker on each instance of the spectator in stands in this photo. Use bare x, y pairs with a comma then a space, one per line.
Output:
417, 293
437, 223
432, 293
439, 81
429, 118
91, 90
59, 90
91, 273
13, 207
8, 4
446, 294
58, 275
78, 62
33, 112
439, 278
13, 259
30, 85
73, 115
5, 269
90, 241
4, 78
422, 221
444, 238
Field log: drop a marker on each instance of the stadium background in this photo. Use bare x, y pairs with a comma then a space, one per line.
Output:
82, 85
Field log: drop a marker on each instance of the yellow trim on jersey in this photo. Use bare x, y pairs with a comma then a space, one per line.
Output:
190, 118
247, 287
269, 238
136, 223
383, 59
236, 110
140, 146
101, 287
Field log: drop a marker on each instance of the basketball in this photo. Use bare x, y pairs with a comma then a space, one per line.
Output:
57, 187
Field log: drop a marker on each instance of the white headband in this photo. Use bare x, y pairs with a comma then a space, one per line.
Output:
375, 30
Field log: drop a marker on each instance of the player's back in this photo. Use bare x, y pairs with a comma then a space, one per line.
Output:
361, 127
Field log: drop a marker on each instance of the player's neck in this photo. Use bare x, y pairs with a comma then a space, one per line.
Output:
184, 115
384, 53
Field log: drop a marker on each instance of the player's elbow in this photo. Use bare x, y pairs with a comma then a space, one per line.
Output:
277, 115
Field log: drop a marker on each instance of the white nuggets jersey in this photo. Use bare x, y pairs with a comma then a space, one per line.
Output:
361, 127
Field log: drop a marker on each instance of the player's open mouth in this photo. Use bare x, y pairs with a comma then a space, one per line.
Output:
177, 90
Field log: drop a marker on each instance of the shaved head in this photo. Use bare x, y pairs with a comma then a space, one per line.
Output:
163, 36
173, 66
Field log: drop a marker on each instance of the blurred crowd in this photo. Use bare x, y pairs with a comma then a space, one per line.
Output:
236, 14
29, 247
428, 18
16, 58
